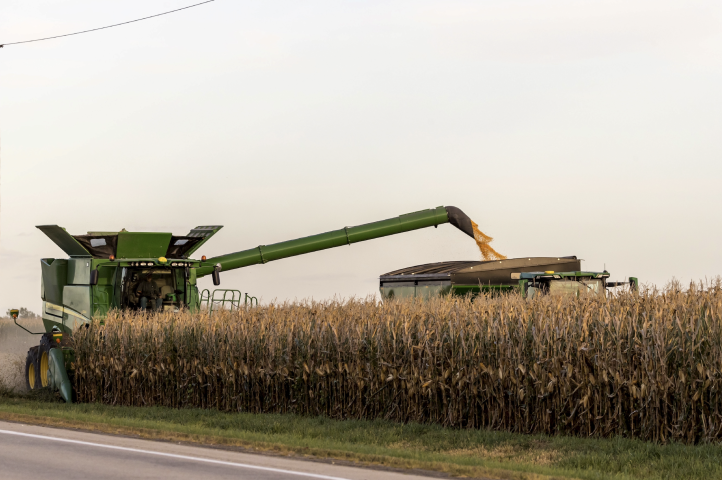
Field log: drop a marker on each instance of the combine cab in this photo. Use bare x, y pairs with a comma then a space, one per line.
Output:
105, 270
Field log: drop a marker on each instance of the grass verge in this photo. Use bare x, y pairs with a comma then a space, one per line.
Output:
470, 453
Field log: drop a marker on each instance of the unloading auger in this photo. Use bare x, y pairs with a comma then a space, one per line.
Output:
338, 238
153, 270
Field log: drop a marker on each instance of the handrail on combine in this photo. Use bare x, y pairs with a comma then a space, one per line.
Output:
225, 298
205, 297
232, 298
251, 299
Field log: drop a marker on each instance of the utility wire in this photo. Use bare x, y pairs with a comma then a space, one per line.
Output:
108, 26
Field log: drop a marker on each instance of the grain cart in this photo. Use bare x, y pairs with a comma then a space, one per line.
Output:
104, 271
529, 277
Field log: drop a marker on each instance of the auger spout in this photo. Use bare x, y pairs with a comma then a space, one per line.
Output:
337, 238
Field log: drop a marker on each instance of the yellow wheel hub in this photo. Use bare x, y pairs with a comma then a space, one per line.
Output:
44, 367
31, 375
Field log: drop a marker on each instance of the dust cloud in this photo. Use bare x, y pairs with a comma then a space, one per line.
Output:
14, 345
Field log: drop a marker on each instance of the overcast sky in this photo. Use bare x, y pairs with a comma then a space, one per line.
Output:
561, 127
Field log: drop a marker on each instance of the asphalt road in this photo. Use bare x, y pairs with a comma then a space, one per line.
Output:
29, 452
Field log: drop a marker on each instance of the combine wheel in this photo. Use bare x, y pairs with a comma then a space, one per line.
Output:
43, 363
32, 377
43, 367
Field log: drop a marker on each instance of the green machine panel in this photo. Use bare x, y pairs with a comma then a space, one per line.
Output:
79, 271
64, 240
55, 277
77, 297
143, 244
102, 300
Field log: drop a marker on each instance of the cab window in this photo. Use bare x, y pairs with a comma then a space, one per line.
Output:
580, 286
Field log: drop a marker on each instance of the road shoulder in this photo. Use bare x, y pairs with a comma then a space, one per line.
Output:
260, 453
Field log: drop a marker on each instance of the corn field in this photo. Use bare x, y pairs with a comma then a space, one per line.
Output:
643, 365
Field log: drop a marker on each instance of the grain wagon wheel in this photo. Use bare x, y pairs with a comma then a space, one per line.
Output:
32, 379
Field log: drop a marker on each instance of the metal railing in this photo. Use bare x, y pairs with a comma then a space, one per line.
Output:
251, 300
225, 299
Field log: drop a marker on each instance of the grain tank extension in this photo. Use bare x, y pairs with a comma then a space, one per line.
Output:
155, 271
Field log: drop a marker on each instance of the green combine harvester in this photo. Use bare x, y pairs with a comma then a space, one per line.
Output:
152, 270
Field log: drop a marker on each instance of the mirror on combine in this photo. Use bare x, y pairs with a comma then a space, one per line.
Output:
94, 277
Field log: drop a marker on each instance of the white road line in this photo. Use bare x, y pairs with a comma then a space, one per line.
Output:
172, 455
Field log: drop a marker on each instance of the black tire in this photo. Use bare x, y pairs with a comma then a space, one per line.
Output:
43, 361
32, 379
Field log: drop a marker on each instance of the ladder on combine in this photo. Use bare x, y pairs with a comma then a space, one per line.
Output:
225, 299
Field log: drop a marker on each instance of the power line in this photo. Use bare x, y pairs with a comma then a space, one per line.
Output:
108, 26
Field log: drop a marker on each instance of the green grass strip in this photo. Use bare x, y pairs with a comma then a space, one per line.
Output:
476, 453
